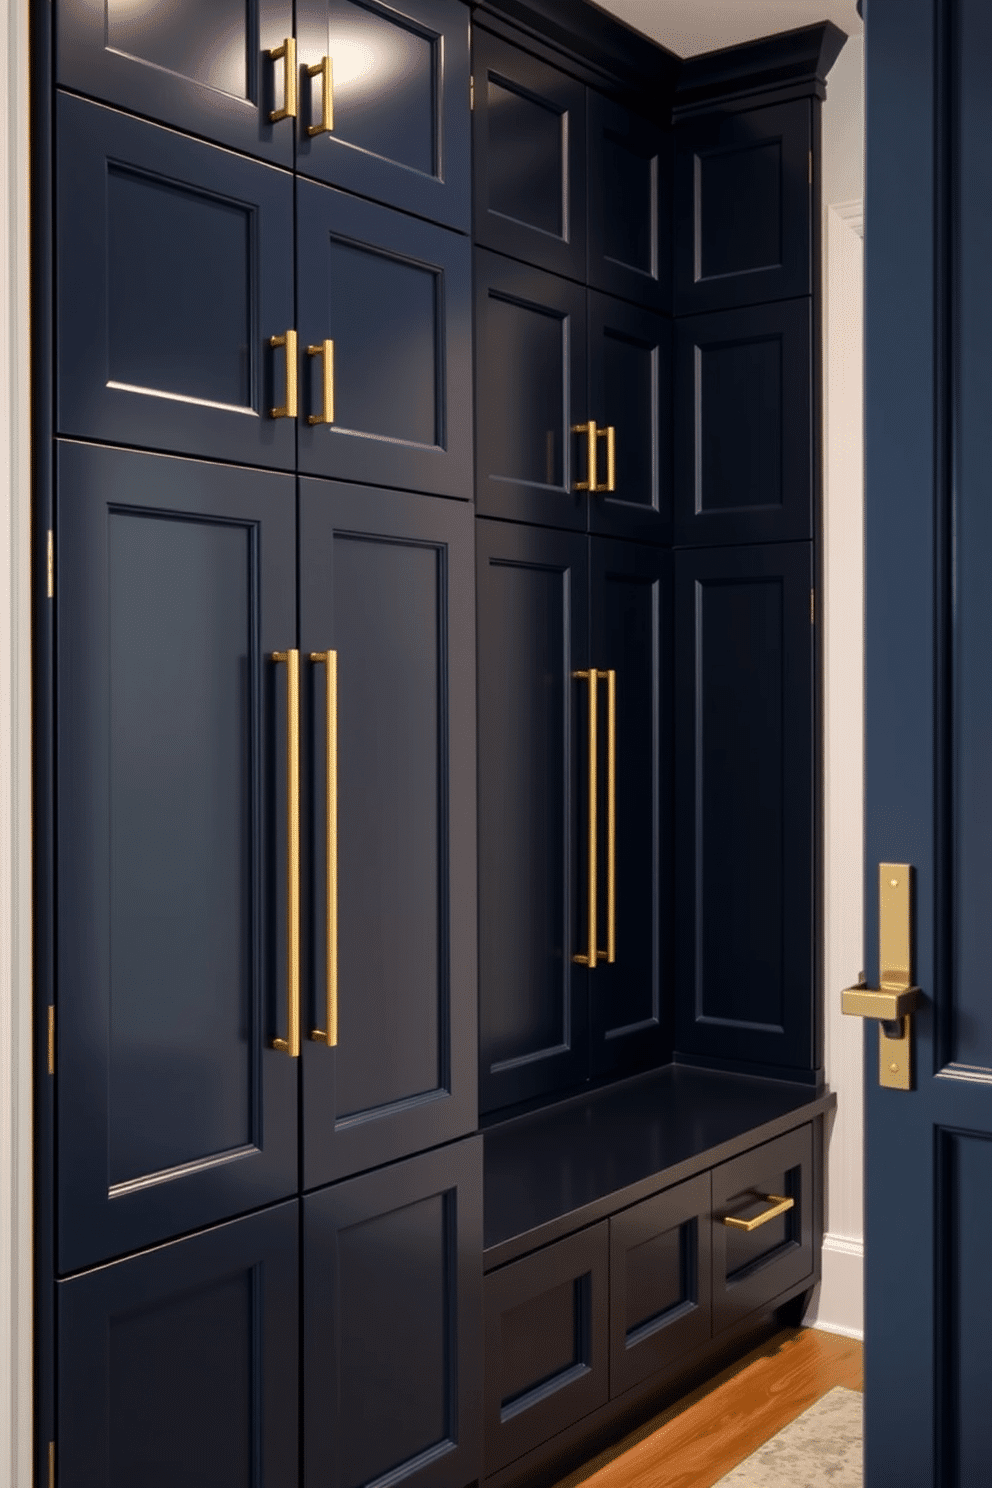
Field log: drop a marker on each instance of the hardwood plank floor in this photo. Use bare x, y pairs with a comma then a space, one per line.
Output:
701, 1437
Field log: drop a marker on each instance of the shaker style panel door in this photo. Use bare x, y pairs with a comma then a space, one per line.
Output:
744, 425
630, 397
744, 804
743, 207
395, 123
533, 767
175, 583
392, 1325
630, 205
174, 270
181, 1365
529, 158
204, 69
390, 401
387, 583
630, 996
530, 336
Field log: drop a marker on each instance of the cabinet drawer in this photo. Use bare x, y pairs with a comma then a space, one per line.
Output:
659, 1283
752, 1267
546, 1344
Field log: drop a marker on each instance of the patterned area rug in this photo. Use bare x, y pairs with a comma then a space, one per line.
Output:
819, 1449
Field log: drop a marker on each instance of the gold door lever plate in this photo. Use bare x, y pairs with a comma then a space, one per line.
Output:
895, 999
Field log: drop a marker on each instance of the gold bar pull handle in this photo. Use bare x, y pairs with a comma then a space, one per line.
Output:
610, 435
288, 53
291, 1043
778, 1206
288, 409
895, 999
590, 957
325, 350
323, 70
329, 1034
589, 430
610, 954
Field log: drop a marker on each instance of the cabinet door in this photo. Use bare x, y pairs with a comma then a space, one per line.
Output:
530, 337
400, 127
743, 207
395, 297
175, 267
204, 69
392, 1331
744, 804
175, 582
529, 158
630, 205
387, 581
744, 425
533, 768
181, 1365
630, 394
630, 998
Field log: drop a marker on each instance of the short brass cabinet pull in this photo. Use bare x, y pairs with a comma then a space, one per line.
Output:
325, 350
610, 435
291, 1043
589, 430
778, 1206
288, 53
288, 409
593, 433
323, 70
329, 660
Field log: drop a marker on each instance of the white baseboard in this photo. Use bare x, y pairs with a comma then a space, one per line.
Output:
838, 1304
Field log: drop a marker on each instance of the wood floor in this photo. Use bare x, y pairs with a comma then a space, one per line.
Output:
697, 1440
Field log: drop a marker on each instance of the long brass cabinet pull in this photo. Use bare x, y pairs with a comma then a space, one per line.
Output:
323, 70
329, 1034
291, 1043
588, 958
325, 350
610, 678
289, 408
288, 54
778, 1206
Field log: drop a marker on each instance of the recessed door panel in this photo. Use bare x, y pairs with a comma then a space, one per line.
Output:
743, 207
743, 791
528, 130
394, 297
204, 69
387, 583
531, 350
399, 103
631, 998
630, 205
175, 584
532, 607
392, 1311
180, 1365
175, 268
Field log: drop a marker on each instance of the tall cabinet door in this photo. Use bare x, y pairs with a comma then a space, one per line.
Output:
533, 769
395, 123
174, 584
387, 585
630, 205
631, 995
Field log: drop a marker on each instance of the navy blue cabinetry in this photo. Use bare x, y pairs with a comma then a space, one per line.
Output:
630, 204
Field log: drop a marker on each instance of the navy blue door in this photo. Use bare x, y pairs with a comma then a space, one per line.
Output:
929, 723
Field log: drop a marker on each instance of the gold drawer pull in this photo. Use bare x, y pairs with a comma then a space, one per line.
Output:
291, 1043
329, 1034
779, 1206
610, 435
324, 350
323, 70
288, 53
288, 409
589, 430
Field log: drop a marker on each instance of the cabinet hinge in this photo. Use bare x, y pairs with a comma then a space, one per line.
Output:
51, 564
812, 607
51, 1039
51, 1464
471, 92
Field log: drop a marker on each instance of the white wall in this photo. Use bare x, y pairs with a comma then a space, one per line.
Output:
840, 1306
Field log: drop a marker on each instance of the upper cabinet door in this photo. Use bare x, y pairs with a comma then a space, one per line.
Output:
175, 270
390, 400
630, 205
394, 123
386, 582
203, 68
530, 158
630, 397
743, 207
530, 341
176, 583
